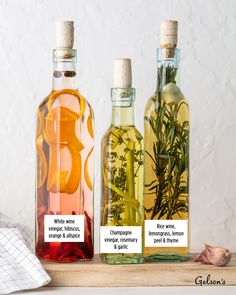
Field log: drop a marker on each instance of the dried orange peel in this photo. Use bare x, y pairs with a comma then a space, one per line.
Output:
86, 174
39, 123
59, 134
63, 181
42, 166
41, 159
90, 124
52, 97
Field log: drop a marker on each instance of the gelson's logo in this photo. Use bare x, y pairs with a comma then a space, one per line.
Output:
204, 281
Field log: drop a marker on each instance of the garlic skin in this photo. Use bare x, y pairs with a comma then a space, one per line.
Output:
217, 256
202, 258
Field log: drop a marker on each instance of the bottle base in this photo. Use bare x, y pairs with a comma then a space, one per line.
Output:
121, 259
66, 260
64, 252
166, 257
72, 259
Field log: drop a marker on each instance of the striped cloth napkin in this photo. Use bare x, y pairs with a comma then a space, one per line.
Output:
20, 269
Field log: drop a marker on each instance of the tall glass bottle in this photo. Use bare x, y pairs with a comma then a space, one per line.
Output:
122, 176
64, 145
166, 145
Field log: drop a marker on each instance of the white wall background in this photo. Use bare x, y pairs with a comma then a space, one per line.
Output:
106, 29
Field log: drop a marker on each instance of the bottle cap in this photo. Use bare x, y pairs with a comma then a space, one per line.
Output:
64, 34
168, 34
122, 73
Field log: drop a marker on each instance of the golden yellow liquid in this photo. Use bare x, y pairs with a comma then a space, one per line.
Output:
122, 184
151, 197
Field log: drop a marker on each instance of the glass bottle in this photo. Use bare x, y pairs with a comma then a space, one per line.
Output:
122, 176
166, 157
64, 145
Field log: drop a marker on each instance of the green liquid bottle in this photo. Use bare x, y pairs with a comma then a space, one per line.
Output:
122, 176
166, 157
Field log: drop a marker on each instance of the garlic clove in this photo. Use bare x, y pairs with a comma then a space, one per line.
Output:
202, 258
171, 93
218, 256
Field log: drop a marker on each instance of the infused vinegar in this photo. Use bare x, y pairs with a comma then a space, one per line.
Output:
64, 170
64, 148
122, 182
166, 158
163, 197
121, 230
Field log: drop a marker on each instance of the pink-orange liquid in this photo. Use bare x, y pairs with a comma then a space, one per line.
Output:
64, 146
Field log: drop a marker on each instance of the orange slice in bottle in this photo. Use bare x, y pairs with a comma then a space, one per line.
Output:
56, 93
41, 159
75, 173
39, 123
90, 124
60, 133
41, 167
57, 183
86, 173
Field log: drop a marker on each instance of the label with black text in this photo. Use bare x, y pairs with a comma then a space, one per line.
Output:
120, 239
64, 228
166, 233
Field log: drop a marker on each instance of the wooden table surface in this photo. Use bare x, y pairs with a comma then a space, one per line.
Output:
95, 273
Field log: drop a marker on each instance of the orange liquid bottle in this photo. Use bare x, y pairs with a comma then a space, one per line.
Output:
64, 146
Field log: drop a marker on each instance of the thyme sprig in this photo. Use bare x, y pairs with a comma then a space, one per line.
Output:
121, 206
170, 154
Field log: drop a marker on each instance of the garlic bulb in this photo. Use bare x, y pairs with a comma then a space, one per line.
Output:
217, 256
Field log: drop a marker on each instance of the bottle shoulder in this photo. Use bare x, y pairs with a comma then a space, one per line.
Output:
42, 107
124, 132
168, 98
151, 103
68, 98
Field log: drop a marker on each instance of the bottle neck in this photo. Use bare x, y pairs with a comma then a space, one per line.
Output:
122, 106
167, 67
64, 70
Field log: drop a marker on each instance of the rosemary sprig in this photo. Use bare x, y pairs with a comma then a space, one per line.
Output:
169, 154
119, 178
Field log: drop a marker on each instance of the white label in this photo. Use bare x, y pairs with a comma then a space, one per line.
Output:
64, 228
121, 239
166, 233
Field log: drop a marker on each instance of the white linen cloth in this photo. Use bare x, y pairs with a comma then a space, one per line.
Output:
20, 269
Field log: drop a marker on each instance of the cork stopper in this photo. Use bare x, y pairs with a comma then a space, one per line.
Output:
64, 39
122, 73
168, 34
64, 34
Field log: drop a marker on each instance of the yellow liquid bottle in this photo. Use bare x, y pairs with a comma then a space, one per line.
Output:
166, 158
122, 183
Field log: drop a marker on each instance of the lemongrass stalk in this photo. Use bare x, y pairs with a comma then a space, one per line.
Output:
129, 211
